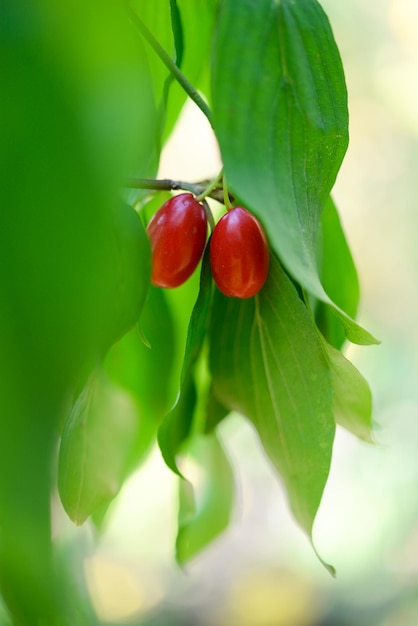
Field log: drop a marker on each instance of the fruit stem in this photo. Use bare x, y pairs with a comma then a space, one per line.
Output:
215, 184
199, 189
170, 64
227, 200
209, 215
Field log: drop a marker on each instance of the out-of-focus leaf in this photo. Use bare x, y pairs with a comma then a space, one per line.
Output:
105, 67
96, 447
132, 272
282, 124
146, 371
73, 117
215, 412
177, 425
205, 510
338, 275
351, 395
268, 363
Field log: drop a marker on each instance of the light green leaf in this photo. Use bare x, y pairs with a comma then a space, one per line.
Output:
147, 371
205, 509
97, 446
338, 275
75, 115
268, 363
282, 124
351, 394
130, 278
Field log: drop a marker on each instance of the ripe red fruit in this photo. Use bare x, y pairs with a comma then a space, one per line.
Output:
239, 254
177, 233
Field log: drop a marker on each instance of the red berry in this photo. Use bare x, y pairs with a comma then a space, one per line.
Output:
178, 235
239, 254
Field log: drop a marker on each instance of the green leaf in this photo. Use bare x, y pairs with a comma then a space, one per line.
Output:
215, 412
75, 116
205, 510
338, 275
268, 363
96, 447
351, 395
147, 371
282, 124
177, 28
177, 426
132, 272
107, 71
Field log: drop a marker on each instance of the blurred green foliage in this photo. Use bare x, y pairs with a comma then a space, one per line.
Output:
75, 115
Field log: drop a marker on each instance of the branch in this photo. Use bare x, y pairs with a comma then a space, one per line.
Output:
169, 63
166, 184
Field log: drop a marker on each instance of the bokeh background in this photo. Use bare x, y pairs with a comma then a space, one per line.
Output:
262, 571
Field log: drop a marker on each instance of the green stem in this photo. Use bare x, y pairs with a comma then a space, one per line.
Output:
209, 215
215, 184
199, 189
163, 184
227, 200
170, 64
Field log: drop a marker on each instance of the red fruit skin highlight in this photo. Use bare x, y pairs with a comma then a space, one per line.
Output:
177, 232
239, 254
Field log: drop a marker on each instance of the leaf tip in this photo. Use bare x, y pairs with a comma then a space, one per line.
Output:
169, 456
330, 568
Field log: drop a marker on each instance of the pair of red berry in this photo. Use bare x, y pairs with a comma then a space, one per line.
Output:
239, 253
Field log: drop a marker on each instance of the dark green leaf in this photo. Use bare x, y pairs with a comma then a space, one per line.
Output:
205, 511
268, 363
215, 412
177, 425
177, 28
338, 275
282, 124
97, 446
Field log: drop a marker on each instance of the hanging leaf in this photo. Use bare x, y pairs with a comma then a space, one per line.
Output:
97, 446
215, 412
351, 394
282, 124
338, 275
205, 510
131, 274
146, 371
268, 363
177, 426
